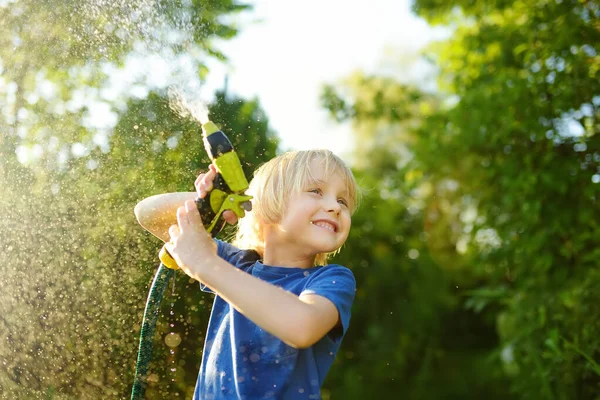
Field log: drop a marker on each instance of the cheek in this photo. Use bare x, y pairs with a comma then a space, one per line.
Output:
294, 218
347, 217
347, 222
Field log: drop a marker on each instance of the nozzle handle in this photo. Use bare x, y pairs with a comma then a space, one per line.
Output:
167, 259
208, 214
208, 208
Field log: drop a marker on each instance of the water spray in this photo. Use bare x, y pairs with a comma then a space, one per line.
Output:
228, 191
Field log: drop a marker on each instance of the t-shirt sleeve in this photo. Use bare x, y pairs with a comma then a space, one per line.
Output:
237, 257
337, 284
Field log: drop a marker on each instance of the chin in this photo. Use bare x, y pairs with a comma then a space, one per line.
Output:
325, 249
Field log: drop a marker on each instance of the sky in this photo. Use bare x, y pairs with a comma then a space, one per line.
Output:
286, 51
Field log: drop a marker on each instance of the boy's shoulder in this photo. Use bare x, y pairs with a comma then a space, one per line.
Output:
235, 256
334, 268
332, 272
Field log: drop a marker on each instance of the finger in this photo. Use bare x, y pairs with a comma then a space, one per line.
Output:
204, 182
200, 185
230, 217
182, 218
193, 215
209, 177
198, 180
174, 231
170, 247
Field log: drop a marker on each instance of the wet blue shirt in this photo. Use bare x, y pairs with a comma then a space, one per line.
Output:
243, 361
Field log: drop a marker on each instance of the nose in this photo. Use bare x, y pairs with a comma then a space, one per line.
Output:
332, 205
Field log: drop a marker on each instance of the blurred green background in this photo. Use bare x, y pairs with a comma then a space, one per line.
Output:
476, 249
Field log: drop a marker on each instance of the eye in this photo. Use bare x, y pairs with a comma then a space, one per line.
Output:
316, 190
343, 202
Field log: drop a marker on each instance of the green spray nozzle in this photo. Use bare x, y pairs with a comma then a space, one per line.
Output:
209, 128
229, 186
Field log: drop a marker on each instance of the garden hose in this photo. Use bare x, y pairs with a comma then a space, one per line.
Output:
159, 284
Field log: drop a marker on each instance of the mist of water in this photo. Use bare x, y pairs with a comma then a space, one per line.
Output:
186, 107
75, 266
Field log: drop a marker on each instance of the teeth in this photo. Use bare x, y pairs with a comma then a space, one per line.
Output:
325, 225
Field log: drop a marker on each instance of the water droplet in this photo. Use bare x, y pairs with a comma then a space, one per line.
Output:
173, 339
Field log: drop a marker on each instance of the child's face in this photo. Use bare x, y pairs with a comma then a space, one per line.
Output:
317, 219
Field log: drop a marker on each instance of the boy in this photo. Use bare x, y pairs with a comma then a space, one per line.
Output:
279, 313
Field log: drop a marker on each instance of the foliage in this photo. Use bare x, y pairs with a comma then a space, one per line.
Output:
76, 266
83, 277
499, 170
408, 333
474, 249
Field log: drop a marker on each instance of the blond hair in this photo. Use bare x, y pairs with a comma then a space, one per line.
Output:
272, 185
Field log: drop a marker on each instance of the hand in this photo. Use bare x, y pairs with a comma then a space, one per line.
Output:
190, 245
204, 184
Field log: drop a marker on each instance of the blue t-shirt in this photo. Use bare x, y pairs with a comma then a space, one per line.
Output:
243, 361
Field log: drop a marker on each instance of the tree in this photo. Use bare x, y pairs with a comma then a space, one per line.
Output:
505, 156
410, 332
55, 55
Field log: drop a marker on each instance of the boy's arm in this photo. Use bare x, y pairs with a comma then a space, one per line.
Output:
157, 213
298, 321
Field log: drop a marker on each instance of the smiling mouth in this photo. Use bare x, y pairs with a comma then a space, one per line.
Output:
326, 225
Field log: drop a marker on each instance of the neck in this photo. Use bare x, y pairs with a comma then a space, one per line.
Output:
285, 254
283, 259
